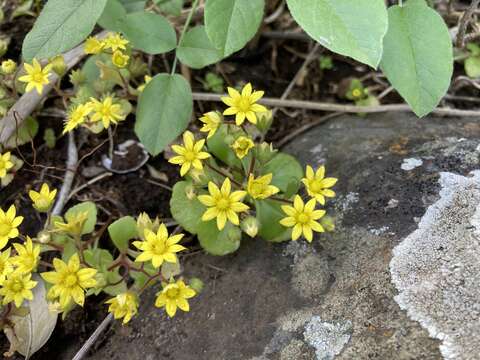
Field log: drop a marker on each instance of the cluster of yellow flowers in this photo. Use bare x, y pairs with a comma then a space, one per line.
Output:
69, 280
114, 43
106, 110
222, 203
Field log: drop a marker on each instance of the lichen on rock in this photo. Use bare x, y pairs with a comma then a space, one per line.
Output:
436, 268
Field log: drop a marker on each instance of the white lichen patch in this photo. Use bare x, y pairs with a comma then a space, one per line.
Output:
328, 339
436, 269
411, 163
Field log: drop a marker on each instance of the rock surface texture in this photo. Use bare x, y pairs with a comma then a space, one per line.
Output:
335, 299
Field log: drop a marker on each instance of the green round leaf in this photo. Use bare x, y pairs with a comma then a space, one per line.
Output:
164, 111
269, 213
188, 213
218, 146
287, 173
91, 210
62, 24
353, 28
418, 56
196, 50
149, 32
472, 66
24, 134
122, 231
217, 242
230, 24
113, 12
133, 5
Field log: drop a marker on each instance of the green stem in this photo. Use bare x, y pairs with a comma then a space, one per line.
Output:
184, 30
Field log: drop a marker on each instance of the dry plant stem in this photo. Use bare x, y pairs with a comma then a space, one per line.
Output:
304, 128
322, 106
91, 340
464, 22
72, 160
88, 183
29, 101
299, 73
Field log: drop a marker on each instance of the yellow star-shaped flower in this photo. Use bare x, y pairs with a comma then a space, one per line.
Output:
16, 288
302, 217
9, 223
27, 256
36, 77
43, 200
242, 146
69, 281
223, 204
260, 187
211, 121
318, 185
77, 116
190, 154
106, 111
5, 164
115, 42
124, 306
173, 296
159, 247
244, 105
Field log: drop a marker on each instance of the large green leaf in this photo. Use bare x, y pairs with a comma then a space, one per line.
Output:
187, 212
164, 110
286, 171
112, 14
269, 213
418, 56
230, 24
196, 49
122, 231
170, 7
353, 28
62, 24
217, 242
133, 5
24, 133
149, 32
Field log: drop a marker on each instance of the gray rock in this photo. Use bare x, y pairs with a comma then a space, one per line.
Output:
437, 268
286, 301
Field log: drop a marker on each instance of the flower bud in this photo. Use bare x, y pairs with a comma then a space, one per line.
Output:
196, 284
59, 65
9, 67
4, 46
250, 226
44, 237
265, 152
190, 192
328, 223
264, 121
77, 78
119, 59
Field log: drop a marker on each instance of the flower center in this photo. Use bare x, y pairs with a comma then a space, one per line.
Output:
223, 204
17, 286
5, 229
303, 218
190, 156
244, 104
172, 293
71, 280
38, 77
316, 186
158, 248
